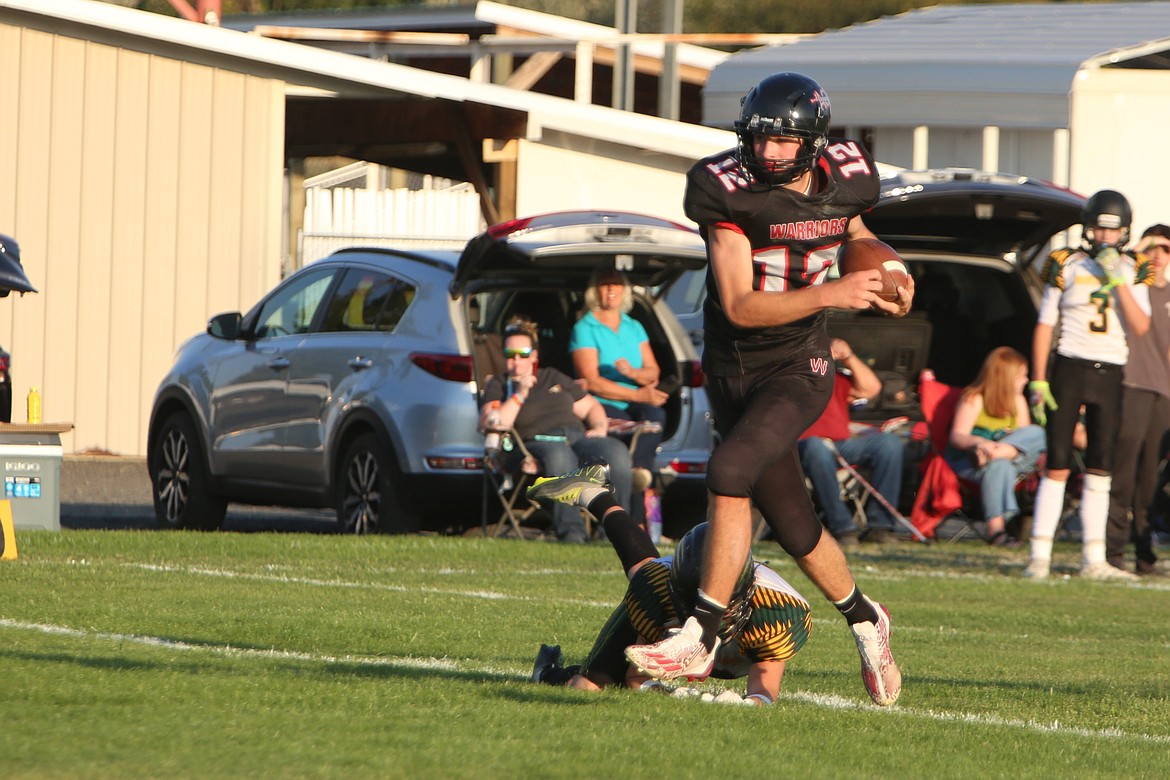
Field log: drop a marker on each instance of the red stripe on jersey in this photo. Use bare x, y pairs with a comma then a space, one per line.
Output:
729, 226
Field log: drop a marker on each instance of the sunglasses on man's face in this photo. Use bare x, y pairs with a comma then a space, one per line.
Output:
526, 352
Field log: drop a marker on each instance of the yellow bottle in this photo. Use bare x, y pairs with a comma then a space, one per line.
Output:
34, 406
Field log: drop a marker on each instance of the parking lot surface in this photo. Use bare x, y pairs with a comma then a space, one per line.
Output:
113, 492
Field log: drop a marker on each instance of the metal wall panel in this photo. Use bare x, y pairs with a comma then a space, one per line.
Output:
146, 195
129, 393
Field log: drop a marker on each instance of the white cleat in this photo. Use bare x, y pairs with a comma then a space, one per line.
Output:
1038, 568
879, 672
680, 656
1105, 571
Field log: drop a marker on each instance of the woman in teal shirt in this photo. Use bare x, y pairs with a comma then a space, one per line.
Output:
612, 353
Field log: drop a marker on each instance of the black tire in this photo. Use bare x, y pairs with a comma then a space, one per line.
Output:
369, 493
179, 482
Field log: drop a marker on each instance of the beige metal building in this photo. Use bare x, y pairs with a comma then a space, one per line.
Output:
143, 170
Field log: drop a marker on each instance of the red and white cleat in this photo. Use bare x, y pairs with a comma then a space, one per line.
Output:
882, 678
680, 656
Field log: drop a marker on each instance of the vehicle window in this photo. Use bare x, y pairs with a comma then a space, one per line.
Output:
687, 294
291, 309
367, 300
398, 300
973, 309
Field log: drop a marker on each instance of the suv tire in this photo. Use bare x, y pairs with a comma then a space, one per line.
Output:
179, 479
369, 494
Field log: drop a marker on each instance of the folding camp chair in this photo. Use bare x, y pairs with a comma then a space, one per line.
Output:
941, 493
856, 490
849, 491
944, 494
509, 486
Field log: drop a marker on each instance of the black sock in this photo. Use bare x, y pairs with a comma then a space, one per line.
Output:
628, 539
856, 608
709, 613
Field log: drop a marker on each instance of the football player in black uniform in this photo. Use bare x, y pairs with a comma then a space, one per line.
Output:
774, 212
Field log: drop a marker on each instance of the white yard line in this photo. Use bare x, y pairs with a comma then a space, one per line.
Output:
831, 701
827, 701
284, 578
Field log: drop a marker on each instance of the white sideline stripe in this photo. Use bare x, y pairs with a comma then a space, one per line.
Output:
282, 578
240, 652
900, 628
835, 702
828, 701
475, 594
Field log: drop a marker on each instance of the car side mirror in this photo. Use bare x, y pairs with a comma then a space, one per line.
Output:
226, 326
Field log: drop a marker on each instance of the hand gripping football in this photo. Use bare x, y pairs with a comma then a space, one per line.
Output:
863, 254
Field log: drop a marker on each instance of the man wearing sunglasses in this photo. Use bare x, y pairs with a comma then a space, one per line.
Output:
561, 425
1145, 416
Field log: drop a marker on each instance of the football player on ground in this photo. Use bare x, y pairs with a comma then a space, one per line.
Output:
1092, 292
774, 212
766, 621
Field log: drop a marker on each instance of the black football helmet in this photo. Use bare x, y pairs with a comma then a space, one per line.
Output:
1105, 209
684, 582
12, 275
784, 104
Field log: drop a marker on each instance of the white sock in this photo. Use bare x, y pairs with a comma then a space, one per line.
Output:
1046, 516
1094, 516
692, 628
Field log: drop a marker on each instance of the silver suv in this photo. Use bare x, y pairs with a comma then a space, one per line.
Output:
354, 383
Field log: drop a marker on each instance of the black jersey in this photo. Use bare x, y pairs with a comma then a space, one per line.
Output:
794, 239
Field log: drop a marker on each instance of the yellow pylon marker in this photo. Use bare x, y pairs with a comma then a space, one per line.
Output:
7, 533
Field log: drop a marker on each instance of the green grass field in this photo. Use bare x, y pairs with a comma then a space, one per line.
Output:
131, 654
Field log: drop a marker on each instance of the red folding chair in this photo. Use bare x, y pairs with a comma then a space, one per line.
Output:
943, 493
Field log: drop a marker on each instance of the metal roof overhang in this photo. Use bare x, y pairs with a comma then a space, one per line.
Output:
339, 104
416, 134
956, 66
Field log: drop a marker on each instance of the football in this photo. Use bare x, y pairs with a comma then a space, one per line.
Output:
865, 253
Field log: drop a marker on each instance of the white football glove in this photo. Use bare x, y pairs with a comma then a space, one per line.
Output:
656, 686
731, 697
686, 693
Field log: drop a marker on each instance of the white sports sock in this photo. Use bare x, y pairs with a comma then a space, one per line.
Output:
1046, 516
1094, 516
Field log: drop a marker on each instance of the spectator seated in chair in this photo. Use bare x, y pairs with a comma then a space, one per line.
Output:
880, 453
993, 441
560, 424
612, 354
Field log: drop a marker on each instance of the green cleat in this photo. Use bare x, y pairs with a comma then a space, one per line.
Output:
577, 488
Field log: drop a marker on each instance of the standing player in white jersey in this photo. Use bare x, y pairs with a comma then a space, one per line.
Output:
1095, 293
774, 212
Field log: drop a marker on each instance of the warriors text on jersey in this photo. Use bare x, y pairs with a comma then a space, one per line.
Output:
778, 626
1090, 325
794, 239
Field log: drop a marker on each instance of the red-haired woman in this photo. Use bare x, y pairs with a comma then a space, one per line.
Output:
993, 440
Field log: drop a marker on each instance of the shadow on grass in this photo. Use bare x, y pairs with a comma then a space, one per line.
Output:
240, 519
321, 667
